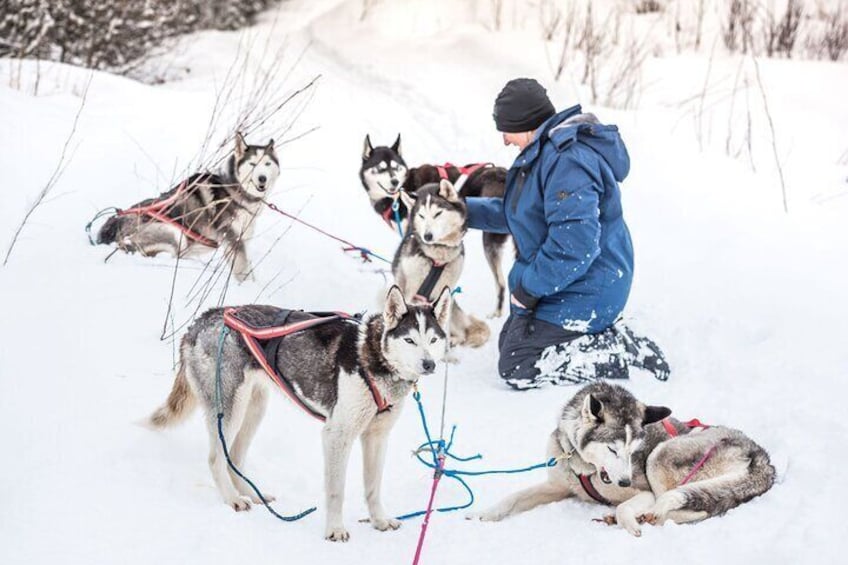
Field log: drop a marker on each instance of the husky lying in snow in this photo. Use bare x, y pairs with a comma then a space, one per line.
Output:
384, 174
328, 366
431, 255
612, 449
203, 211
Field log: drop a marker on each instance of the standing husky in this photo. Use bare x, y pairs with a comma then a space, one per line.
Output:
384, 175
331, 367
431, 255
203, 211
614, 450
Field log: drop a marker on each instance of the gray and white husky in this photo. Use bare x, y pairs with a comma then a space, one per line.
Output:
325, 365
204, 211
432, 254
384, 174
612, 449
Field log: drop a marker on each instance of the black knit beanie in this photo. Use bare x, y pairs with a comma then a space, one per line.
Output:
522, 105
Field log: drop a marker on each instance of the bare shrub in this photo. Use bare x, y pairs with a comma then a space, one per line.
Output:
780, 36
835, 36
648, 6
737, 29
110, 35
550, 18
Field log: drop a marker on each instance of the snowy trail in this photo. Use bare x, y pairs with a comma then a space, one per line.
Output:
723, 282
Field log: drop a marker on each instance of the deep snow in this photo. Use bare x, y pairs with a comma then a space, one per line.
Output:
747, 301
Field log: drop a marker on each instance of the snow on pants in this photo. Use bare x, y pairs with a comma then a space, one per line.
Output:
534, 352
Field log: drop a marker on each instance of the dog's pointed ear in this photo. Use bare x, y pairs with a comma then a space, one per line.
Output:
593, 409
395, 308
447, 191
396, 146
408, 199
367, 148
655, 414
270, 146
241, 145
441, 308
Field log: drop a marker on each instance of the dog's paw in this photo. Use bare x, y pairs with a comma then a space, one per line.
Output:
384, 524
269, 498
337, 534
485, 516
241, 504
648, 518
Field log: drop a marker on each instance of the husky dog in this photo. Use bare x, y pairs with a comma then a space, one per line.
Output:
612, 449
431, 255
205, 210
326, 365
384, 174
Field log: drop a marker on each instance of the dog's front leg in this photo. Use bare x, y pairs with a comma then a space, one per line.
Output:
627, 513
337, 443
374, 441
525, 500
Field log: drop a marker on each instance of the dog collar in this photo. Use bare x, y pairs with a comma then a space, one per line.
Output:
589, 488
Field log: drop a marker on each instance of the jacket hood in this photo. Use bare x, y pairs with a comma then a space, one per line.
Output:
572, 125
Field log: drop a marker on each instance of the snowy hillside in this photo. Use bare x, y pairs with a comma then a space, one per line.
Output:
748, 301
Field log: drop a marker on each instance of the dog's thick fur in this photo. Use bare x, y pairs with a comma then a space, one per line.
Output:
325, 366
221, 207
434, 235
609, 436
384, 175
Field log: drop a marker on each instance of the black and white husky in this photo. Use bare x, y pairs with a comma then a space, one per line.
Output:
612, 449
384, 174
202, 212
332, 368
432, 254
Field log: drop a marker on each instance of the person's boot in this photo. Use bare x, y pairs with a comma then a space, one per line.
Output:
643, 353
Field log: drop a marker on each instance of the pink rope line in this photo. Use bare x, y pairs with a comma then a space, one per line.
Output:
350, 246
698, 465
437, 475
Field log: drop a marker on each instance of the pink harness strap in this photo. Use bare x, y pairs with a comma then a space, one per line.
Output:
156, 210
694, 423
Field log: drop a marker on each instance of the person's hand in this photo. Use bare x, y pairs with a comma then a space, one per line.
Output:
513, 300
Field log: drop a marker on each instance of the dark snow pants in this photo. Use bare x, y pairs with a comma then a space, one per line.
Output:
534, 352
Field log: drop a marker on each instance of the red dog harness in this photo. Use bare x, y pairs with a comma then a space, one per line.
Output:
464, 172
252, 335
694, 423
157, 210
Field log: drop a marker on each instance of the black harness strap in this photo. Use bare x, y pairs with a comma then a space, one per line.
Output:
430, 281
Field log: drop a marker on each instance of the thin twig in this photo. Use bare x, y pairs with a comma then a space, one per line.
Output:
773, 135
55, 176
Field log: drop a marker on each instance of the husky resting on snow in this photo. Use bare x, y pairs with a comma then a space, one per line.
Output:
332, 368
614, 450
432, 254
384, 175
203, 211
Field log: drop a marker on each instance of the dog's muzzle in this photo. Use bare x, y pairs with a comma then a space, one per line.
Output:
428, 366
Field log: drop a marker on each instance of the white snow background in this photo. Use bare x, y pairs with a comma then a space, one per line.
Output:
747, 300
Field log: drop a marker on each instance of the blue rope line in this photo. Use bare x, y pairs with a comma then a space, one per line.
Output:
396, 210
438, 446
224, 333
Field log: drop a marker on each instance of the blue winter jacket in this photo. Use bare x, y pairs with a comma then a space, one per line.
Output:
563, 208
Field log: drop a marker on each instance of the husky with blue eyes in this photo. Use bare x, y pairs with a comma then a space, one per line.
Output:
353, 374
202, 212
613, 450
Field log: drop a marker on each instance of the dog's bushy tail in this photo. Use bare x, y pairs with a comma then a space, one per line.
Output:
180, 403
109, 232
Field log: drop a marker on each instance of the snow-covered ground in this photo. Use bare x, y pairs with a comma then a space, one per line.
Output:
747, 301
